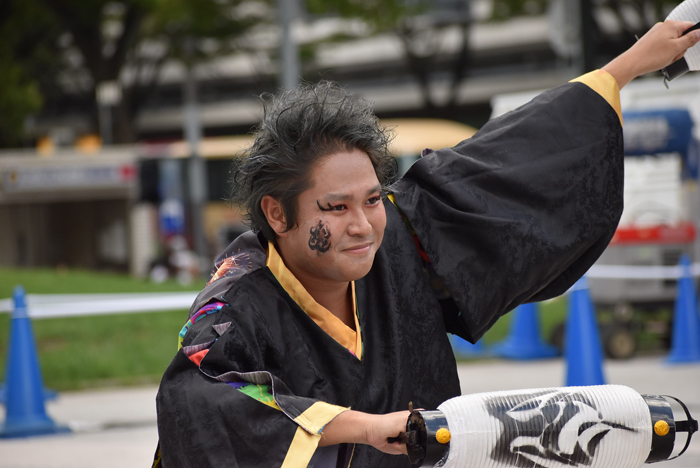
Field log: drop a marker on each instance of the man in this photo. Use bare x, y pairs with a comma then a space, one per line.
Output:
344, 297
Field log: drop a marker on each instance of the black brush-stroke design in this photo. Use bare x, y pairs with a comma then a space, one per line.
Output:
326, 208
533, 423
319, 237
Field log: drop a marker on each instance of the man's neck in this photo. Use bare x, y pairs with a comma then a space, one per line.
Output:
335, 296
336, 299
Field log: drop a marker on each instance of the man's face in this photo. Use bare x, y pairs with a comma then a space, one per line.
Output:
340, 224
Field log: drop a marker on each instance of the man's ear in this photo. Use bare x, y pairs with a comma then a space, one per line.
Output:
275, 215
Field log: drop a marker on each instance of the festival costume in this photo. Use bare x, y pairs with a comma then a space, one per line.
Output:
516, 213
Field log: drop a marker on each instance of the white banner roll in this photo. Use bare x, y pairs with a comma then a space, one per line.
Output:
596, 427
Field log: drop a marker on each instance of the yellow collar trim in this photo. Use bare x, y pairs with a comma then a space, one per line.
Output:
347, 337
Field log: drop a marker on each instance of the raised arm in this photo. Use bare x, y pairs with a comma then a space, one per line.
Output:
521, 210
658, 48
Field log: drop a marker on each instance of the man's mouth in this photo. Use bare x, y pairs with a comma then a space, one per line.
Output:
360, 248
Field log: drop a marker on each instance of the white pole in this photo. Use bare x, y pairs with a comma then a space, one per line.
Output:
288, 13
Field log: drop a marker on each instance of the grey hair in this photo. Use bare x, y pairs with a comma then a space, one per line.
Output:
300, 127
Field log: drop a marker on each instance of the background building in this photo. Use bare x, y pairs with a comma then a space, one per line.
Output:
170, 88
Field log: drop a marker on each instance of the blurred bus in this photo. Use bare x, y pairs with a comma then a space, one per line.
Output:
162, 169
123, 207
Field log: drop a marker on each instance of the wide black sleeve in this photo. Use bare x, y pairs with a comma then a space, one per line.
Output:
521, 210
220, 404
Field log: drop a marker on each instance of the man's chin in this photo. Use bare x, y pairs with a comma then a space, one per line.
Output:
359, 271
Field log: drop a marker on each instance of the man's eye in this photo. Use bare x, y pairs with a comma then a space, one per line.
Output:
374, 200
330, 207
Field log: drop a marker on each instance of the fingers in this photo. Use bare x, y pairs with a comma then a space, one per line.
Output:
678, 57
680, 26
400, 448
690, 39
383, 426
684, 43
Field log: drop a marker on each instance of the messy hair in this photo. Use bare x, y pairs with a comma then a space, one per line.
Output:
300, 127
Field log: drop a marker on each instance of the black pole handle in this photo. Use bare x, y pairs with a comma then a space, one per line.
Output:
680, 66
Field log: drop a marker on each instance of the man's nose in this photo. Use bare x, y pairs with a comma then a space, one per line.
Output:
360, 225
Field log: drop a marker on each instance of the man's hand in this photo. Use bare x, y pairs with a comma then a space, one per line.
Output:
658, 48
355, 427
384, 426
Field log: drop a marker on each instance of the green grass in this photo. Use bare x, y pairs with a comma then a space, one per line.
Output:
130, 349
65, 281
99, 351
108, 350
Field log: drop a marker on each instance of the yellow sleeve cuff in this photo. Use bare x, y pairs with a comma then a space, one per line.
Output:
318, 415
604, 84
301, 450
308, 435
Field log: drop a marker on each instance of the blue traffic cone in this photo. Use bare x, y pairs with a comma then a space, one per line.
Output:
49, 394
26, 414
685, 340
523, 341
464, 349
583, 348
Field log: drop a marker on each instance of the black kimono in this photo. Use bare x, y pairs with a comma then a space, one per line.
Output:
516, 213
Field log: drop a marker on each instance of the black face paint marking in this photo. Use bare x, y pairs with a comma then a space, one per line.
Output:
532, 426
328, 208
319, 237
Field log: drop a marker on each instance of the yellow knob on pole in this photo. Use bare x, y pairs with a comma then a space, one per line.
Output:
443, 435
661, 428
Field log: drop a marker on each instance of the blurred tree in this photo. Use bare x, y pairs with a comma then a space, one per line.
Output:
50, 47
382, 16
613, 23
632, 16
504, 9
424, 38
636, 16
125, 41
424, 28
616, 23
28, 51
141, 35
19, 97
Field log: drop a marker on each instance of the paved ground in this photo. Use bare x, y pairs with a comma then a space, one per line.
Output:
116, 428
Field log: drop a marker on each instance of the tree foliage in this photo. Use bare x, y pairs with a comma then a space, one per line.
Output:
28, 49
19, 96
613, 25
52, 47
637, 16
124, 41
141, 35
630, 14
420, 26
630, 19
504, 9
381, 15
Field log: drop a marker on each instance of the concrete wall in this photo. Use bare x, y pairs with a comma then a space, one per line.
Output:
84, 234
22, 229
